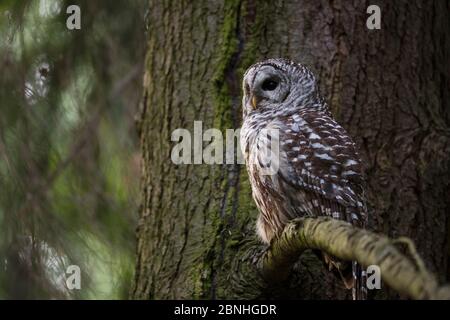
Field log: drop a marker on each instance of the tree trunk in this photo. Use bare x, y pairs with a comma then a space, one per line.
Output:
388, 88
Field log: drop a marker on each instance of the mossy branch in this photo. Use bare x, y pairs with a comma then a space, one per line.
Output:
406, 275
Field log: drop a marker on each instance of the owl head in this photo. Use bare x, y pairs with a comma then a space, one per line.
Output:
278, 86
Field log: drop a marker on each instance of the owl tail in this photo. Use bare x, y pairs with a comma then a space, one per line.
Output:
359, 289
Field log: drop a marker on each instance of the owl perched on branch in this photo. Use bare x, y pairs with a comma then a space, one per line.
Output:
315, 168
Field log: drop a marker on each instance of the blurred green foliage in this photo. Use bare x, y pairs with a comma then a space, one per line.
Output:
69, 162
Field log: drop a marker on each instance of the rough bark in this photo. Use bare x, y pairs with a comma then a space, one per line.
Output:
388, 88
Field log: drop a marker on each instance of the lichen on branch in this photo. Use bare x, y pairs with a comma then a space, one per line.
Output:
404, 274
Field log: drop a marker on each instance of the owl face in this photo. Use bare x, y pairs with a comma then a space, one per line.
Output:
265, 85
276, 85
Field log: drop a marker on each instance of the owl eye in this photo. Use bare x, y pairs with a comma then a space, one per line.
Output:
269, 85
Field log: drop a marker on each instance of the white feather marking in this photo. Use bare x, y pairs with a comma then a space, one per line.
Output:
350, 163
314, 136
324, 156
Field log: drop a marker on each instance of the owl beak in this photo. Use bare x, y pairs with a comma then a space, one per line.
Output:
253, 102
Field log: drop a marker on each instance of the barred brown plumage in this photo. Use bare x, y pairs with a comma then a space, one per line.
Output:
318, 168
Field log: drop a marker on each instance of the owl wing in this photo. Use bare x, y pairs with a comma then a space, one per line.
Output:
321, 168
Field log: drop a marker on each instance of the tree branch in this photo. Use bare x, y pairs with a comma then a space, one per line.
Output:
340, 239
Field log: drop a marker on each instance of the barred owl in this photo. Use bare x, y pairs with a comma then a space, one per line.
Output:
318, 170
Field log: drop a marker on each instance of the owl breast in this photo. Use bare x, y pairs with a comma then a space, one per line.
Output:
269, 191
